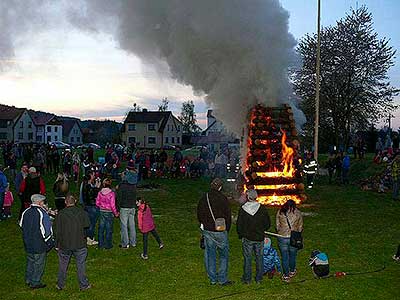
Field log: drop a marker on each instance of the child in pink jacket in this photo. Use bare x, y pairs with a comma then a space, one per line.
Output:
8, 201
146, 225
105, 201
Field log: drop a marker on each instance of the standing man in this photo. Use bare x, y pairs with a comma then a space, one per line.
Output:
32, 184
214, 205
126, 203
310, 168
70, 227
90, 189
253, 220
345, 169
38, 239
3, 186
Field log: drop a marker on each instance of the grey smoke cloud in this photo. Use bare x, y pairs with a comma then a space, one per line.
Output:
236, 52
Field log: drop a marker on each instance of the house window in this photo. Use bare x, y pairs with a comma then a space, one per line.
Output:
78, 139
3, 123
178, 140
151, 127
166, 140
173, 140
55, 129
39, 129
132, 140
72, 139
131, 127
48, 128
56, 138
3, 135
20, 135
21, 124
39, 138
29, 124
151, 140
30, 136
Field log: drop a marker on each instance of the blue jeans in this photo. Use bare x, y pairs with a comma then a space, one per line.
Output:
288, 254
93, 213
248, 248
35, 264
106, 229
216, 241
64, 257
128, 230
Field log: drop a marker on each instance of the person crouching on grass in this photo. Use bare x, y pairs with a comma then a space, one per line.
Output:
253, 220
146, 225
105, 201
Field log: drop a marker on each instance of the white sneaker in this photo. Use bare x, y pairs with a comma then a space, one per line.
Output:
95, 242
91, 242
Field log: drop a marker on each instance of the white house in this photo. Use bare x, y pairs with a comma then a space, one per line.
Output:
48, 127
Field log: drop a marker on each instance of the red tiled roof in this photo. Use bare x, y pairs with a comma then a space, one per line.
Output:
10, 112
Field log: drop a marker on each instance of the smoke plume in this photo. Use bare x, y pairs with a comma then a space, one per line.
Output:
236, 52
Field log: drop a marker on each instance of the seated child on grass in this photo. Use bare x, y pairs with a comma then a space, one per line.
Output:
271, 261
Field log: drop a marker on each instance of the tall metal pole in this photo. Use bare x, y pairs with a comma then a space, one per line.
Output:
317, 87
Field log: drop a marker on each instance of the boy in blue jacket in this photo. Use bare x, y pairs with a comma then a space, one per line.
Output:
271, 260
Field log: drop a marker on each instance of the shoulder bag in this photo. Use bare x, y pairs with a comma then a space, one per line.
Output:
296, 238
220, 224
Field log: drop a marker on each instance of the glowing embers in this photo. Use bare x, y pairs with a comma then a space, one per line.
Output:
272, 162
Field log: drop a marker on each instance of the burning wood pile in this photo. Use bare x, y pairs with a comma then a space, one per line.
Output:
272, 164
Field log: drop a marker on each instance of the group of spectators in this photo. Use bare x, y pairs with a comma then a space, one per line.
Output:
252, 223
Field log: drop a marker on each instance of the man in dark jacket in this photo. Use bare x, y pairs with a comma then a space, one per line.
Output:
70, 227
89, 194
253, 220
214, 205
38, 239
126, 203
31, 185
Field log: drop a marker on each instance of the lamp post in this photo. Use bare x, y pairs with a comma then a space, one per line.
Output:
317, 86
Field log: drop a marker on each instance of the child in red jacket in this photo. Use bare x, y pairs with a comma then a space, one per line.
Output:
146, 225
8, 201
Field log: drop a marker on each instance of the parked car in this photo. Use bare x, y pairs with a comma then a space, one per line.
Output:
87, 145
169, 147
61, 145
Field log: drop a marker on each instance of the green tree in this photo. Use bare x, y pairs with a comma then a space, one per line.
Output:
164, 105
355, 91
188, 118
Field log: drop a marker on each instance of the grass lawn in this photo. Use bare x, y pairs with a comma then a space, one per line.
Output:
358, 230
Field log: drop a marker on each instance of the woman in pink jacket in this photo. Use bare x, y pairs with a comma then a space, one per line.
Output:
105, 201
146, 225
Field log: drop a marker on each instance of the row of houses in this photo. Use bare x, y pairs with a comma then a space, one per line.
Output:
22, 125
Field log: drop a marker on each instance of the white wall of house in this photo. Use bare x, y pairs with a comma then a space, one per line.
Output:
172, 134
25, 129
75, 136
217, 127
53, 133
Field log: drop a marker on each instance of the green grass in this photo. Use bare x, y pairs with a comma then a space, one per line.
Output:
358, 230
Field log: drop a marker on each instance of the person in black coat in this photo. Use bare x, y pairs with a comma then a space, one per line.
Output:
253, 220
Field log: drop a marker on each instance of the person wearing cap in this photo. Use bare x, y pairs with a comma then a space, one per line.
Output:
3, 187
214, 205
70, 234
32, 184
126, 203
38, 240
253, 220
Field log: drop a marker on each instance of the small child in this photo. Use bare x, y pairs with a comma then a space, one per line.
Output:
146, 225
8, 201
271, 261
319, 264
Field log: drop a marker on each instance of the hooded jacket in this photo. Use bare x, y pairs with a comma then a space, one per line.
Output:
253, 220
145, 218
220, 208
105, 201
271, 259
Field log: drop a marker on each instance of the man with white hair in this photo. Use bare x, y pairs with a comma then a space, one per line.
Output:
38, 239
253, 220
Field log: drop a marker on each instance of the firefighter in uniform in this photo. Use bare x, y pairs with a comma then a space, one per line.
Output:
310, 168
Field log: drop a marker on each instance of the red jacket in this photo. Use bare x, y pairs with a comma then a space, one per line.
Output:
145, 219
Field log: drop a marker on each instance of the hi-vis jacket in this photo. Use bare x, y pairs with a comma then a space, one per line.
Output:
310, 167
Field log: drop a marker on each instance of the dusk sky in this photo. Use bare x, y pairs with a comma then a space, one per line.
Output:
71, 72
